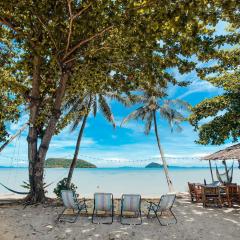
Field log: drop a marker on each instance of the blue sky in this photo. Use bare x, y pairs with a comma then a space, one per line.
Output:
127, 145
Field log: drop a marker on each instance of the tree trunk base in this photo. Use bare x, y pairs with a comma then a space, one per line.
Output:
32, 199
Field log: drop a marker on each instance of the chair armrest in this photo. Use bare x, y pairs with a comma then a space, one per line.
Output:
151, 203
83, 200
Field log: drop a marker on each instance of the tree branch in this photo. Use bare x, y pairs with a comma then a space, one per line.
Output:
86, 41
49, 32
70, 25
10, 25
81, 11
72, 18
15, 29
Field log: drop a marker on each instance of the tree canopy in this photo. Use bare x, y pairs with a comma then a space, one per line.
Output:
115, 45
221, 113
55, 49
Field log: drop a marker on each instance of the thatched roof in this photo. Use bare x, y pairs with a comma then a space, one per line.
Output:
228, 153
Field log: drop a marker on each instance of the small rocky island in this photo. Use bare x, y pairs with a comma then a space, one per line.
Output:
65, 163
154, 165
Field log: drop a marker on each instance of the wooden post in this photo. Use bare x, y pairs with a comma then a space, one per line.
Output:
210, 165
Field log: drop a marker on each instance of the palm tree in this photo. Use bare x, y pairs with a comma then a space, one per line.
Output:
80, 108
168, 109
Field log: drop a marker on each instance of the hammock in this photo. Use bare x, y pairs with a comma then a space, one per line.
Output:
11, 190
225, 177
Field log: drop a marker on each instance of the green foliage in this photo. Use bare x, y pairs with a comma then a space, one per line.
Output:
65, 163
218, 119
62, 185
113, 46
26, 185
54, 50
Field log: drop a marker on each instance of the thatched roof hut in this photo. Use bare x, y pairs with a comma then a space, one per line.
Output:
229, 153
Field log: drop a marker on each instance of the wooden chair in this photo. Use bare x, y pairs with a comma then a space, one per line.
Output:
211, 196
232, 194
195, 191
238, 189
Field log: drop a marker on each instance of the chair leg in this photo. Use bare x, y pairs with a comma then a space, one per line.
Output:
76, 216
158, 218
85, 208
112, 212
93, 214
173, 215
112, 215
66, 220
140, 216
149, 210
60, 215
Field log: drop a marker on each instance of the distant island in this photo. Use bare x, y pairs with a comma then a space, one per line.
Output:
65, 163
154, 165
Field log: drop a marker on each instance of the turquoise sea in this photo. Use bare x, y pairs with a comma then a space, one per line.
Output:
147, 182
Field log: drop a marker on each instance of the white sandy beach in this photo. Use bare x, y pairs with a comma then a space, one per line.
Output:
194, 222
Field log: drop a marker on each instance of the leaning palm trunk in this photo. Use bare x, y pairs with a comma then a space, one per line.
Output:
169, 182
75, 157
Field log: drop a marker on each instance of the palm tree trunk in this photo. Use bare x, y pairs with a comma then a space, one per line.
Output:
169, 182
75, 157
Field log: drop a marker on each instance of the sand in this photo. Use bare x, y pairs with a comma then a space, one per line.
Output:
194, 222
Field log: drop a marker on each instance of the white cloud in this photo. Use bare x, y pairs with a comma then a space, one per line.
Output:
199, 86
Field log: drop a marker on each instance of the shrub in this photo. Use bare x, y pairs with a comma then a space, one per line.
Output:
62, 185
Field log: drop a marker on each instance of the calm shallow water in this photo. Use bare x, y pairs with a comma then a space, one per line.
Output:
147, 182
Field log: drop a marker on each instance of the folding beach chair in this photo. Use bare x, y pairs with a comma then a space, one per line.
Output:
131, 203
165, 205
103, 202
70, 201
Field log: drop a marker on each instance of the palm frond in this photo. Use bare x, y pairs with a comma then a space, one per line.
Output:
106, 110
148, 123
178, 104
120, 98
173, 117
139, 113
134, 98
76, 122
81, 111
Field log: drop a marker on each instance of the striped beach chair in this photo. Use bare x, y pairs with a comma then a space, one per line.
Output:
103, 202
70, 201
131, 203
165, 205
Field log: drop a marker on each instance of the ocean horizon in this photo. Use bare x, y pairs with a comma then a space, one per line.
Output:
149, 182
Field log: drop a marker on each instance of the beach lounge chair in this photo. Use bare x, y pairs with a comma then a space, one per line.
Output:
130, 203
70, 201
103, 202
164, 205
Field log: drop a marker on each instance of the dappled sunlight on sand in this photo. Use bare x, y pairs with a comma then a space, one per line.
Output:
194, 223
